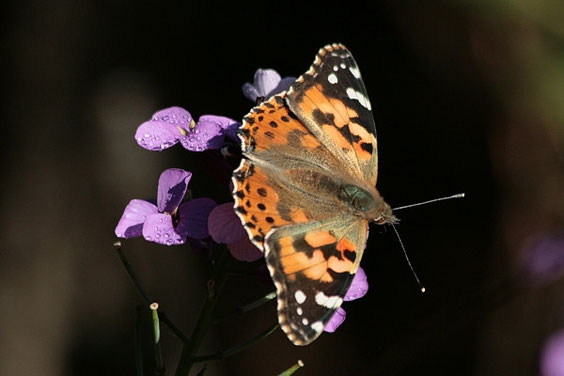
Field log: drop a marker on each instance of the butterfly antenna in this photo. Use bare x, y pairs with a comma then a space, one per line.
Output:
421, 287
459, 195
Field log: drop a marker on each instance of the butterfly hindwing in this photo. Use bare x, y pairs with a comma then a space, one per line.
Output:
312, 266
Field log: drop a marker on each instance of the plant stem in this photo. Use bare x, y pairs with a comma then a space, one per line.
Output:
236, 349
204, 320
160, 369
290, 371
143, 295
240, 311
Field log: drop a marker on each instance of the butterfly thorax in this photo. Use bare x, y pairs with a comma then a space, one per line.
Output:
367, 204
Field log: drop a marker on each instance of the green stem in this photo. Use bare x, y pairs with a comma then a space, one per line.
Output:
290, 371
204, 320
241, 310
160, 369
131, 273
143, 295
236, 349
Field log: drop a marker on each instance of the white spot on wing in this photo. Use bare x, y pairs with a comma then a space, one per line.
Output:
328, 301
300, 296
333, 78
317, 326
355, 72
353, 94
299, 311
305, 321
335, 68
343, 66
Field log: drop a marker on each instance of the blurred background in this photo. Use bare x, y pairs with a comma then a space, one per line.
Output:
468, 96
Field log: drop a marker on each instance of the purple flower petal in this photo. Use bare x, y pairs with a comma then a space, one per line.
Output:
266, 83
224, 225
244, 250
335, 321
175, 116
283, 85
158, 228
228, 126
250, 92
206, 135
552, 358
193, 217
173, 184
359, 286
131, 223
156, 136
164, 130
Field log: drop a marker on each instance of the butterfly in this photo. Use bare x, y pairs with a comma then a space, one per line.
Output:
305, 190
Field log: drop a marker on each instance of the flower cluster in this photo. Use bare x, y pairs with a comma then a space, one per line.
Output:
169, 220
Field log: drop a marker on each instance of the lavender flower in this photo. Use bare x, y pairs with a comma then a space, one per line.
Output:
266, 83
168, 222
226, 228
552, 358
543, 259
358, 288
172, 125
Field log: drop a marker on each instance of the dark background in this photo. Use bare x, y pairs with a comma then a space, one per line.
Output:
467, 97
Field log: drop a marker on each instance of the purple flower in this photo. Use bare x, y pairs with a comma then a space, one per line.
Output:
266, 83
358, 289
168, 222
172, 125
543, 259
225, 227
552, 357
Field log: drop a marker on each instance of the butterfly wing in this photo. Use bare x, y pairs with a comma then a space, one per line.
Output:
312, 266
331, 100
285, 177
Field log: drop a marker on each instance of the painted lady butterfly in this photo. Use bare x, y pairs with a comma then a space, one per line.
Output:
305, 190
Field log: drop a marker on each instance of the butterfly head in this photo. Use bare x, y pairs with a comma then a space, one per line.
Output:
386, 216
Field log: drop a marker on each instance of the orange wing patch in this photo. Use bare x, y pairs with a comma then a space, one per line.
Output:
312, 266
272, 124
314, 254
256, 202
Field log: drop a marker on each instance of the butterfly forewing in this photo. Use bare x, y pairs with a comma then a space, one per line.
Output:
331, 100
